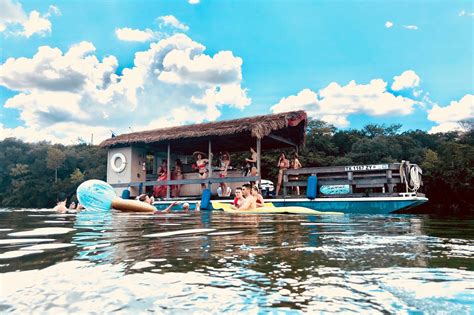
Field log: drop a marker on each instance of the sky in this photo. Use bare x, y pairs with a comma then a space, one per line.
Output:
73, 69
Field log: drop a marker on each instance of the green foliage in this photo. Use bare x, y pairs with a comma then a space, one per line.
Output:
25, 171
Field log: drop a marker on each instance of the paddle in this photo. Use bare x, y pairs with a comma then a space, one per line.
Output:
98, 195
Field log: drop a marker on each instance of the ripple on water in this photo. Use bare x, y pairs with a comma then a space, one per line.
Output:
25, 240
43, 231
48, 246
179, 232
19, 253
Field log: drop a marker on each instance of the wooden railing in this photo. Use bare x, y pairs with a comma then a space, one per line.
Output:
384, 176
207, 181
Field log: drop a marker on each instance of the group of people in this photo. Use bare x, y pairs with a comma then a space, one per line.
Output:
202, 164
61, 205
247, 197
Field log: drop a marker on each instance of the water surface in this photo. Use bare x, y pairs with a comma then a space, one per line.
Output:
217, 262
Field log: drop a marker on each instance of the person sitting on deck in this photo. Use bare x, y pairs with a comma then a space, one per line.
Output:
239, 199
258, 197
249, 202
61, 203
185, 207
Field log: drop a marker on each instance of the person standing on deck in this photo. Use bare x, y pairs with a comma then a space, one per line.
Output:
283, 165
177, 175
294, 165
160, 191
201, 164
224, 165
251, 163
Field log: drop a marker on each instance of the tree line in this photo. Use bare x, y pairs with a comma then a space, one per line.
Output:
32, 174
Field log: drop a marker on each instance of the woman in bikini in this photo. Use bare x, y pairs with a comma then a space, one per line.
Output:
283, 165
201, 164
177, 174
251, 164
294, 165
224, 165
258, 197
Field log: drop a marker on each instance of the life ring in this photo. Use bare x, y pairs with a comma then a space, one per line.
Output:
123, 164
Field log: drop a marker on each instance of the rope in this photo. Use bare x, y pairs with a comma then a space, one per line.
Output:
410, 175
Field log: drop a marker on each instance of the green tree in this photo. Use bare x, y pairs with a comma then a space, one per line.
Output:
55, 160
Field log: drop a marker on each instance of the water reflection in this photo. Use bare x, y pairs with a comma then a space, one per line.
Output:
216, 262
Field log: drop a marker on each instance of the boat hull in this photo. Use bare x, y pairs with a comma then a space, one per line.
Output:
368, 205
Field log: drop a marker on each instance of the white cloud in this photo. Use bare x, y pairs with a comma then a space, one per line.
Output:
335, 103
464, 13
388, 24
36, 25
447, 117
12, 15
173, 22
410, 27
407, 80
193, 1
135, 35
66, 95
11, 12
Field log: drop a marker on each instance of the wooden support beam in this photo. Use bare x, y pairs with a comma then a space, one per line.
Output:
168, 174
281, 139
209, 165
259, 161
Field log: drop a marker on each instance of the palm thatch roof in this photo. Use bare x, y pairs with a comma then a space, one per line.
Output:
228, 134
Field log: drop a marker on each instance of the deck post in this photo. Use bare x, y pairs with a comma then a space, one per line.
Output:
259, 155
210, 164
389, 181
350, 178
168, 175
285, 180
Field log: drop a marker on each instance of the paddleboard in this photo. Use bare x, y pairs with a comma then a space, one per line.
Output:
271, 209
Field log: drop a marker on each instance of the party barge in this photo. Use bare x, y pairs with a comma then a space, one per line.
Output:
179, 163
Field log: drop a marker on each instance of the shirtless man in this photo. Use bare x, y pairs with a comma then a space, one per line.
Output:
249, 203
61, 204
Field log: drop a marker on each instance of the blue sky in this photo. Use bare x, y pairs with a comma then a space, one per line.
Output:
271, 56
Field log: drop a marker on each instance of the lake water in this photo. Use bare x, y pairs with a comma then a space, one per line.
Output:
217, 262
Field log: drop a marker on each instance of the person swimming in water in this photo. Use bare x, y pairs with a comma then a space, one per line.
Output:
185, 207
61, 203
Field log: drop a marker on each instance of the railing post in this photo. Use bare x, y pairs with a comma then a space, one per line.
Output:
350, 178
210, 165
168, 175
259, 154
285, 180
389, 181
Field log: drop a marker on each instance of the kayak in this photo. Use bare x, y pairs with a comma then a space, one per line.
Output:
270, 208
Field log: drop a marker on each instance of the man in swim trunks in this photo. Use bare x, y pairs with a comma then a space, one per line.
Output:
239, 199
250, 202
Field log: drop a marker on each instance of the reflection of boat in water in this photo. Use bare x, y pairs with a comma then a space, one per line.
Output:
378, 189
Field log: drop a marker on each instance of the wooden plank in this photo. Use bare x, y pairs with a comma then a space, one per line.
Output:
281, 139
259, 155
209, 165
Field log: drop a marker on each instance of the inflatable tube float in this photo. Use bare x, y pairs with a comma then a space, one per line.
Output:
269, 208
98, 195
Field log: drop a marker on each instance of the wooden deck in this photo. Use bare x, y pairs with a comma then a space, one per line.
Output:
379, 179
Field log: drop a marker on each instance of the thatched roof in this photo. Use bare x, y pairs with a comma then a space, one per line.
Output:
290, 125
